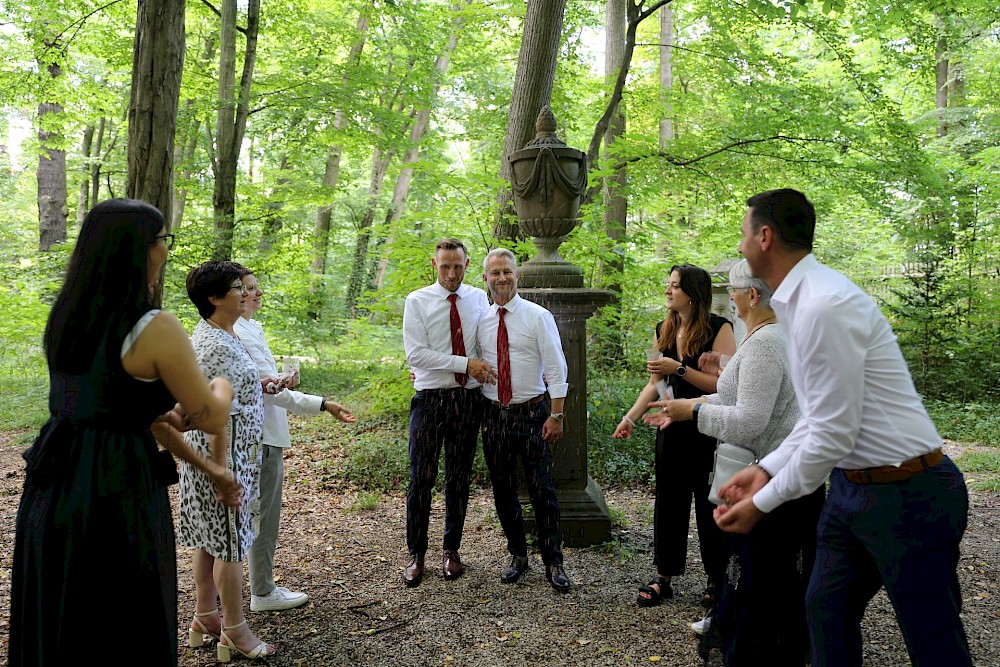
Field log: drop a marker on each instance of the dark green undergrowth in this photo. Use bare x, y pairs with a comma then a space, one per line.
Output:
366, 371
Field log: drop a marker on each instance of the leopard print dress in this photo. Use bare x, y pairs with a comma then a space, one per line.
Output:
203, 522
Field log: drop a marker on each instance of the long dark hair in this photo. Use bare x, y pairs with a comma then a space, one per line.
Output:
105, 290
697, 284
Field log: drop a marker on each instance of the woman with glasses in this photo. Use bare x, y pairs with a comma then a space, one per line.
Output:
683, 456
94, 551
761, 614
221, 535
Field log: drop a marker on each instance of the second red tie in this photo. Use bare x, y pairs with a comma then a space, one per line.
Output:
504, 389
457, 337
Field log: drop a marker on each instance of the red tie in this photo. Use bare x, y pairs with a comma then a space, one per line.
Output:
503, 362
457, 339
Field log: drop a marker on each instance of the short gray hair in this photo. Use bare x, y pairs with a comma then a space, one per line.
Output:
741, 278
499, 252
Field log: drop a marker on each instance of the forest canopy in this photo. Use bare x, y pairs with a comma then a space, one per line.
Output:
328, 144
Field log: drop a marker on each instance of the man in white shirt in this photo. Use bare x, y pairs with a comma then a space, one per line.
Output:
897, 506
278, 398
520, 339
439, 335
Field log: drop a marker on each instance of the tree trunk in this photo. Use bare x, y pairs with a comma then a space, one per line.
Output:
666, 74
182, 163
331, 174
275, 220
357, 280
51, 173
536, 70
95, 165
83, 196
157, 65
234, 108
941, 78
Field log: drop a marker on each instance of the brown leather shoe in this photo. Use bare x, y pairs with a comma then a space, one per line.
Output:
452, 565
414, 572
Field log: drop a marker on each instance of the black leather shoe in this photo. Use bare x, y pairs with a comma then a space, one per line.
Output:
511, 573
557, 577
451, 565
414, 572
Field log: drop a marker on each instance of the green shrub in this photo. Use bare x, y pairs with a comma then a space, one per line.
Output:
624, 462
969, 422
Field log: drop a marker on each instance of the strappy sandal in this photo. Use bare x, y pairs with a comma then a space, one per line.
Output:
224, 649
708, 597
198, 638
652, 596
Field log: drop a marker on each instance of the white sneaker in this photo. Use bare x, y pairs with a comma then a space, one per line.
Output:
702, 626
277, 600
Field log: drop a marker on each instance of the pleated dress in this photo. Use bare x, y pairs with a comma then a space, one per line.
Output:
94, 572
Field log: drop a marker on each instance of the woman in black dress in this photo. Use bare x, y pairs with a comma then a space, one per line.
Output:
683, 456
94, 558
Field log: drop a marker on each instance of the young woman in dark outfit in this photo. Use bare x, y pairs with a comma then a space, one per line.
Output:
94, 555
683, 456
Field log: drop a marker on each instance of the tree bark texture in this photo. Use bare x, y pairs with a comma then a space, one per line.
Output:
51, 175
157, 65
666, 73
356, 282
83, 194
234, 108
536, 70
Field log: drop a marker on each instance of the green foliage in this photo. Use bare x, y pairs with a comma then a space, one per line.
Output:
969, 422
982, 469
627, 461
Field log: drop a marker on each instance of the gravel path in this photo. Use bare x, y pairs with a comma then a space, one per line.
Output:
349, 560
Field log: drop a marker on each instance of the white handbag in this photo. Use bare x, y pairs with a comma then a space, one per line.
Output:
729, 460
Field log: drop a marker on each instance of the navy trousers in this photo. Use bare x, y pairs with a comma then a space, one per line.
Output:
904, 536
510, 435
446, 419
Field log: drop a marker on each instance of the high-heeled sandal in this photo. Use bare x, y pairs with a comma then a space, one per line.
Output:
224, 649
198, 638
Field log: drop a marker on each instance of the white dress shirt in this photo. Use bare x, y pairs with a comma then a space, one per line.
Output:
275, 405
427, 334
536, 354
859, 406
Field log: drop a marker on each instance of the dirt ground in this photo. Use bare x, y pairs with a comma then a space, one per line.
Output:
348, 551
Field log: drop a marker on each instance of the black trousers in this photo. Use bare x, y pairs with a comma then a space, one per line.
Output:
683, 462
511, 435
446, 419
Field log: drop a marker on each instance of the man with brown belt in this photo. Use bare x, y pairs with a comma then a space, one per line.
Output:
896, 507
520, 339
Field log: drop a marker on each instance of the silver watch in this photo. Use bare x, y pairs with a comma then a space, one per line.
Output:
558, 416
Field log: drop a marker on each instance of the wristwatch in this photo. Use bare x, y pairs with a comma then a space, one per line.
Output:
558, 416
681, 371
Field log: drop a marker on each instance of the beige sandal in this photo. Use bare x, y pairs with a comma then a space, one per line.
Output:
224, 649
198, 638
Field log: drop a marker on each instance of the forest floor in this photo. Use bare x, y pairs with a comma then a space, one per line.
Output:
347, 550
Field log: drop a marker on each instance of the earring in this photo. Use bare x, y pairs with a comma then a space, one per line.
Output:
753, 305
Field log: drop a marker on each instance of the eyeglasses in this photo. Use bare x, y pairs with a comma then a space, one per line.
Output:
241, 288
167, 238
733, 289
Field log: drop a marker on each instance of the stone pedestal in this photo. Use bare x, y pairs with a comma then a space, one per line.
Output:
584, 514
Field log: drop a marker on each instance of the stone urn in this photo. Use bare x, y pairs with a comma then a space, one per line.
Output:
548, 178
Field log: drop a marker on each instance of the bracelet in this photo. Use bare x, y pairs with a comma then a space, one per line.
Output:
629, 420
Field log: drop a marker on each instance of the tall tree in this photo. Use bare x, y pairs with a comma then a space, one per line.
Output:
405, 178
331, 171
157, 65
51, 174
666, 73
234, 108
